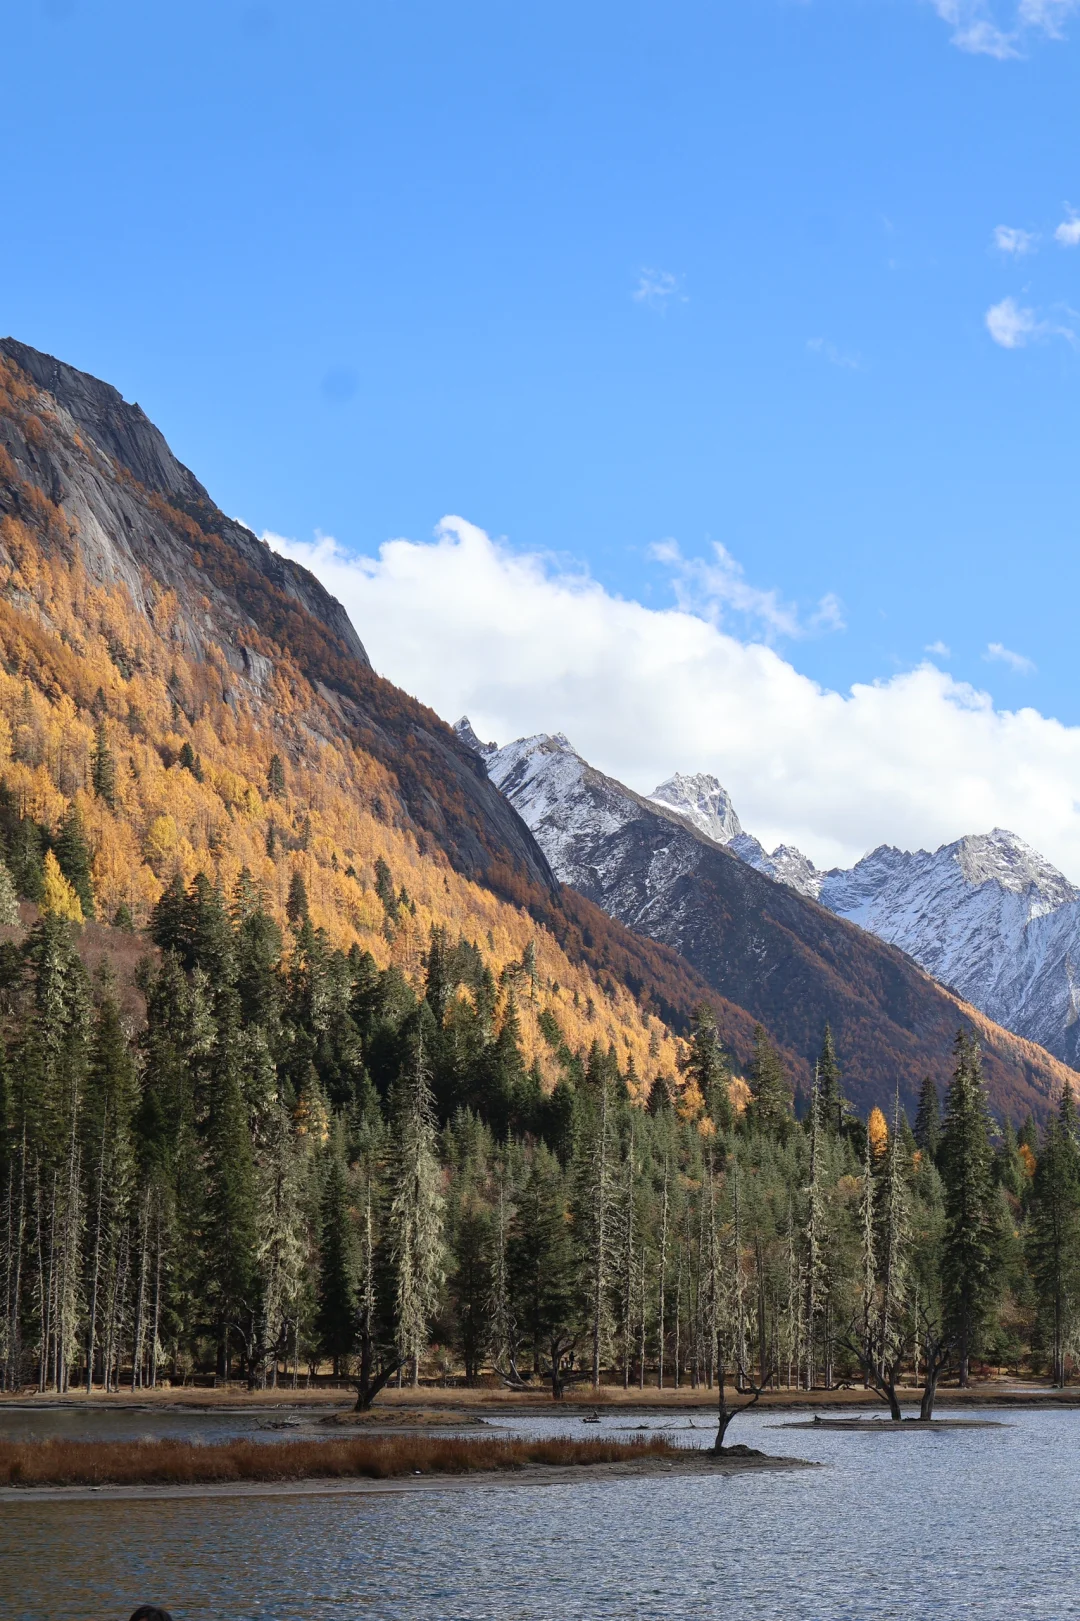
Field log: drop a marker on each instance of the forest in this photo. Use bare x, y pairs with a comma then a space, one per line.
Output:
303, 1163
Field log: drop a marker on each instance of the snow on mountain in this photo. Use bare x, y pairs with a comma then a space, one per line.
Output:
702, 801
987, 916
708, 806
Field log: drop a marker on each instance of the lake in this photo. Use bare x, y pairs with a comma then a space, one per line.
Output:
953, 1524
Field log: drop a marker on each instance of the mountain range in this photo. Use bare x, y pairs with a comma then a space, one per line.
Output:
670, 865
987, 915
194, 702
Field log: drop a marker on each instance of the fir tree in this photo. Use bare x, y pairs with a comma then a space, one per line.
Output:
1054, 1235
103, 767
708, 1068
830, 1094
769, 1108
970, 1249
275, 777
416, 1209
73, 855
928, 1119
296, 907
335, 1322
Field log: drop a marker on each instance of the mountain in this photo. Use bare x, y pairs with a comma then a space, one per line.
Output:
199, 703
988, 916
767, 949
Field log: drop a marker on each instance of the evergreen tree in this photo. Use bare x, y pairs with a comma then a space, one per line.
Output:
928, 1119
1054, 1236
103, 767
73, 855
708, 1068
275, 777
335, 1322
970, 1248
830, 1094
416, 1209
296, 907
542, 1270
769, 1108
229, 1238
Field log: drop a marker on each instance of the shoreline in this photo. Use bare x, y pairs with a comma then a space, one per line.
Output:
429, 1406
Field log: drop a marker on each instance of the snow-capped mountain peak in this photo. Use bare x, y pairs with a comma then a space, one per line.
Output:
703, 801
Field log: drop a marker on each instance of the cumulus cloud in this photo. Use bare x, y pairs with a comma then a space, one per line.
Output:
941, 649
1013, 326
1068, 232
1003, 32
1010, 324
1011, 239
523, 645
1017, 662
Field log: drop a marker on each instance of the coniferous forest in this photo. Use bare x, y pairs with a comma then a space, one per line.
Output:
301, 1164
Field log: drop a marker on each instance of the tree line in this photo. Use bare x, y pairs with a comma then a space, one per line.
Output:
299, 1161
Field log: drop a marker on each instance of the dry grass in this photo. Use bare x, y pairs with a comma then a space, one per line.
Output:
128, 1463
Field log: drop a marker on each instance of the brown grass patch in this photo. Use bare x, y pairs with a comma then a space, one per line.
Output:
130, 1463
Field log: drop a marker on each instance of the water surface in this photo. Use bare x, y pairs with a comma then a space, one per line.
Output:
977, 1525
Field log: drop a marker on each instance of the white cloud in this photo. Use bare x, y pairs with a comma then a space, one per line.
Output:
1068, 232
1017, 662
716, 589
983, 30
523, 646
1012, 325
836, 357
941, 649
1009, 324
656, 289
1011, 239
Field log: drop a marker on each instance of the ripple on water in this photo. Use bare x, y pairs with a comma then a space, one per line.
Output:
944, 1525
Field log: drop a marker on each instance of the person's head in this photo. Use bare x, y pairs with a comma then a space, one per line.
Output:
150, 1612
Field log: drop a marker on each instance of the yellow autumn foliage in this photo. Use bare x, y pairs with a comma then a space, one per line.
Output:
877, 1131
73, 652
59, 899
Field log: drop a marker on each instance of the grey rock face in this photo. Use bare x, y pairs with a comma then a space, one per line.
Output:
120, 536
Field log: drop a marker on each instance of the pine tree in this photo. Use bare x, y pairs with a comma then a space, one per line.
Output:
103, 767
1054, 1235
229, 1238
928, 1119
275, 777
296, 907
707, 1066
769, 1108
416, 1209
970, 1249
73, 854
335, 1321
542, 1269
831, 1097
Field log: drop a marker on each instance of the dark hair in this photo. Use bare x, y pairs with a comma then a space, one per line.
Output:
150, 1612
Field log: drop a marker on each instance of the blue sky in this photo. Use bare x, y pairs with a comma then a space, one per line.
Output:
620, 283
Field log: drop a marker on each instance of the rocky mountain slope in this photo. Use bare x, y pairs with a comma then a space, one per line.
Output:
765, 947
988, 916
202, 705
